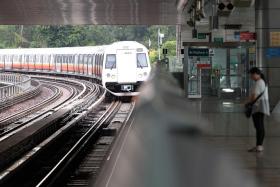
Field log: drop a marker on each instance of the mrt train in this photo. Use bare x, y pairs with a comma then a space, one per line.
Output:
121, 67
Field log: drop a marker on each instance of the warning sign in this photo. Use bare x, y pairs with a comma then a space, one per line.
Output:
274, 39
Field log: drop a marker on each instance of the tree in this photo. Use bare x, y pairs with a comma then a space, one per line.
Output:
14, 36
171, 47
153, 55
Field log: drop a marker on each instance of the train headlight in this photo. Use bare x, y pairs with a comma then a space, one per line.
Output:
113, 76
140, 76
108, 75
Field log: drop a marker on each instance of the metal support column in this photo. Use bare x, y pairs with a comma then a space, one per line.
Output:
267, 25
185, 70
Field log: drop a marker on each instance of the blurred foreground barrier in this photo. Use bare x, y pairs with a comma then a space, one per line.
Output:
164, 147
275, 115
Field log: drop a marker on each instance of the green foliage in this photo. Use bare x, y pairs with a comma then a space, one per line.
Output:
171, 47
14, 36
153, 55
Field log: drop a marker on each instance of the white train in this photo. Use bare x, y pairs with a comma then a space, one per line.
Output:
121, 67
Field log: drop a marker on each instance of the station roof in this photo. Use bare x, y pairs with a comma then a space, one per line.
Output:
64, 12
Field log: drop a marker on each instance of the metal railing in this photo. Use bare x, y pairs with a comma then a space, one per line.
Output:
15, 84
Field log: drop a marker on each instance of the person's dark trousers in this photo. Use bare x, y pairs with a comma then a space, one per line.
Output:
258, 119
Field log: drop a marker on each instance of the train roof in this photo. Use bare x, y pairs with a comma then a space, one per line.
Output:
61, 50
75, 50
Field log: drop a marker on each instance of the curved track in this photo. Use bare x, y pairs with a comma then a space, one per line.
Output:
89, 115
59, 90
65, 146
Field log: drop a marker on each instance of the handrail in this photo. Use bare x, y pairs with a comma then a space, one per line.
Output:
17, 84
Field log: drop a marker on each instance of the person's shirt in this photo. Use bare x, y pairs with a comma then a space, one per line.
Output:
262, 104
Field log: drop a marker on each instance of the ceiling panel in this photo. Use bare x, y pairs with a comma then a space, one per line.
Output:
149, 12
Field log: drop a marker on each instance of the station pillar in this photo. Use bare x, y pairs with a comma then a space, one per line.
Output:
268, 44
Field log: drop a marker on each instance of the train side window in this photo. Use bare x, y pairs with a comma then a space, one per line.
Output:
64, 59
97, 64
85, 59
34, 58
42, 59
75, 59
93, 60
20, 58
80, 59
71, 59
15, 58
142, 60
110, 61
55, 59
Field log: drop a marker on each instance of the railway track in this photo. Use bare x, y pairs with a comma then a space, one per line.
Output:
15, 116
23, 137
80, 140
30, 114
34, 91
86, 122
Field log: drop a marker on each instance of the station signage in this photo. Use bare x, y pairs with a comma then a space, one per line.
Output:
203, 66
201, 36
274, 39
198, 52
247, 36
237, 36
219, 40
272, 52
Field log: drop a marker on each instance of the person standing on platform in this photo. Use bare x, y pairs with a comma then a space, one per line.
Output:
259, 95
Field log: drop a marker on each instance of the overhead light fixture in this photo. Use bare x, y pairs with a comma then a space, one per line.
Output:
230, 6
228, 90
221, 6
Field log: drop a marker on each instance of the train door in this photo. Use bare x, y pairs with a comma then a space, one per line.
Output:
30, 62
93, 65
20, 61
101, 64
126, 66
17, 61
75, 64
27, 59
70, 63
1, 62
89, 64
8, 64
80, 64
85, 65
58, 63
13, 61
97, 66
40, 62
50, 62
64, 63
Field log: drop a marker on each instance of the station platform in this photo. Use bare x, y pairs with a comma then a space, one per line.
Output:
174, 141
232, 132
